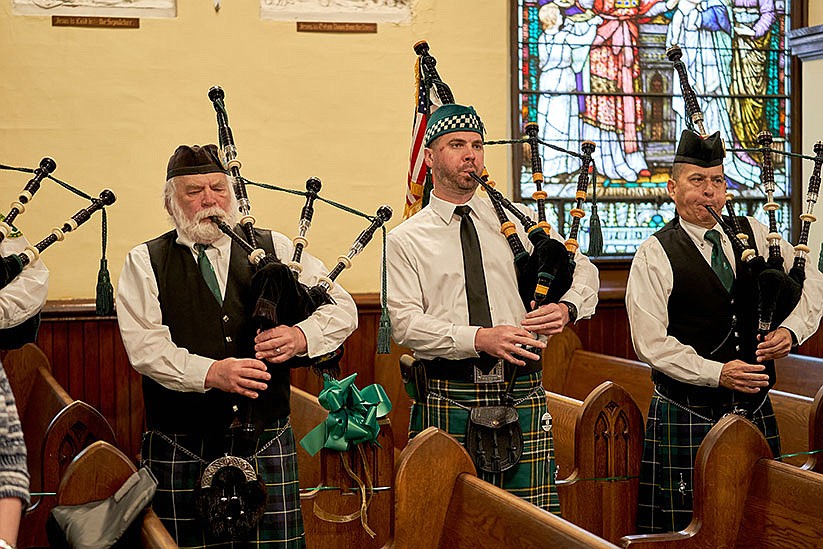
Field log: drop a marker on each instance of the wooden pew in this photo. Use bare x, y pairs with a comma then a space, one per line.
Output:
798, 374
326, 470
96, 474
595, 440
814, 461
796, 415
440, 502
55, 427
598, 492
587, 370
744, 499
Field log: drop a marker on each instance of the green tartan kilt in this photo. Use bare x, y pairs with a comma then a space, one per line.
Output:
531, 479
673, 436
177, 474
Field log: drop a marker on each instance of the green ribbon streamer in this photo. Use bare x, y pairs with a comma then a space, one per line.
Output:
353, 415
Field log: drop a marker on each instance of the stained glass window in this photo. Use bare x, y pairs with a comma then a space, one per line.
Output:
596, 70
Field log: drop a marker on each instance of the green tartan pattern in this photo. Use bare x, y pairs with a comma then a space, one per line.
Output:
531, 479
177, 474
673, 436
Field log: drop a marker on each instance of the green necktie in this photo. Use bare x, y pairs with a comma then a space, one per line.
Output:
207, 271
720, 264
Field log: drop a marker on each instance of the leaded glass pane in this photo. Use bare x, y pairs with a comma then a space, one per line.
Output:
596, 70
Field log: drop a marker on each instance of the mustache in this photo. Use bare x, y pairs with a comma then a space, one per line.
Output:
214, 211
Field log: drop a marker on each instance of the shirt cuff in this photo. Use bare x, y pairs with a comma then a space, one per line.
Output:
793, 332
577, 300
464, 340
196, 370
314, 337
712, 370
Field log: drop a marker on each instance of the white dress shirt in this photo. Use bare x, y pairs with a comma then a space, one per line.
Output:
426, 286
24, 296
650, 285
148, 341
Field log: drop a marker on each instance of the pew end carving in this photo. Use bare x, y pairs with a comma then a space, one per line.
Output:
600, 494
55, 427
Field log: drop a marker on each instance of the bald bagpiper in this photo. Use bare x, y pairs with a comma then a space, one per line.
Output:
692, 306
453, 299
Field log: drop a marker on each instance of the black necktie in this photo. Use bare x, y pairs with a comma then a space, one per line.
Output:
478, 299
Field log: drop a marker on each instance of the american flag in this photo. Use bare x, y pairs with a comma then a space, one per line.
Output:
417, 168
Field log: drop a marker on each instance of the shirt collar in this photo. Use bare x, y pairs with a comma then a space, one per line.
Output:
222, 244
445, 210
698, 233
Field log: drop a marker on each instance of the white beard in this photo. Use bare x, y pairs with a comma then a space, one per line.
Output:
200, 229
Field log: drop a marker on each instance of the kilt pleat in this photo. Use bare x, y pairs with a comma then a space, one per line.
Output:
177, 474
532, 478
673, 436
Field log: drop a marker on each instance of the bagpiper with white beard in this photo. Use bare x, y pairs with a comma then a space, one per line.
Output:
184, 312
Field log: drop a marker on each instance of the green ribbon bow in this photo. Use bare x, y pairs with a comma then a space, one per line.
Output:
353, 415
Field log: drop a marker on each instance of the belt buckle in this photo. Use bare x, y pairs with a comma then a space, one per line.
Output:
496, 375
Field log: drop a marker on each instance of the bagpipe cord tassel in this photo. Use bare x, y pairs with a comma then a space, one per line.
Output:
105, 292
595, 229
384, 328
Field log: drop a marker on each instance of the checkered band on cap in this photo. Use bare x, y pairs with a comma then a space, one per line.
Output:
452, 118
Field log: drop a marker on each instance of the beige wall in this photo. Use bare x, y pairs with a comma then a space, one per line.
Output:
813, 125
111, 105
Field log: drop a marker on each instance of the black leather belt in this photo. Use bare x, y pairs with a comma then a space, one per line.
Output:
464, 370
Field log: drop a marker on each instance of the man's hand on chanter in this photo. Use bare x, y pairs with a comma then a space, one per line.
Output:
507, 342
244, 376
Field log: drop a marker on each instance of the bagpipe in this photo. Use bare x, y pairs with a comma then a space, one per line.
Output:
231, 500
778, 292
279, 296
12, 265
545, 274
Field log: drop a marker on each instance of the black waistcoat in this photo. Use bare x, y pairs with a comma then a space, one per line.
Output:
200, 325
719, 325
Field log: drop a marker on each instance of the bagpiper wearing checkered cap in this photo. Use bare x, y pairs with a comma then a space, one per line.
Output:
452, 118
451, 293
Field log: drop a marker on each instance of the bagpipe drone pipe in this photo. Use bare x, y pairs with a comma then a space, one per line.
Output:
231, 499
280, 298
545, 274
12, 265
777, 291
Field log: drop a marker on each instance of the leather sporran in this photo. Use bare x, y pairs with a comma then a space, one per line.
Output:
494, 438
230, 499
